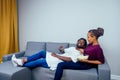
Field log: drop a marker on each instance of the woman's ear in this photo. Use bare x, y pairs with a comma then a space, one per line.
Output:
94, 37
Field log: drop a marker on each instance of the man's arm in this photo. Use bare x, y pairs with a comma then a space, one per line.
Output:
61, 57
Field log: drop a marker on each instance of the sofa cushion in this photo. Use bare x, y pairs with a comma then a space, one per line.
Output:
90, 74
34, 47
54, 46
72, 45
10, 72
41, 73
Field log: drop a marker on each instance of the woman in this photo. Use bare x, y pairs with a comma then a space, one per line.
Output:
93, 50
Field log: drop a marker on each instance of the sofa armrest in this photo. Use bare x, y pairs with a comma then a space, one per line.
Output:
8, 56
104, 71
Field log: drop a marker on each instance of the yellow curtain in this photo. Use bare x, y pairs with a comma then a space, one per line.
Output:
8, 27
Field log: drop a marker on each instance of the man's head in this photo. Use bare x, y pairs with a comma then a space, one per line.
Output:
81, 43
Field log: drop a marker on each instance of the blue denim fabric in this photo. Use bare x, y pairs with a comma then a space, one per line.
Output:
69, 65
38, 59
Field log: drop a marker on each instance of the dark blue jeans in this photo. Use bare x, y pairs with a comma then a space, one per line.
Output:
38, 59
69, 65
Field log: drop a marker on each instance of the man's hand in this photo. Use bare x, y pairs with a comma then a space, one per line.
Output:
61, 49
54, 54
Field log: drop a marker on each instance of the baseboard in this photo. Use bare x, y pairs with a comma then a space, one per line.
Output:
115, 77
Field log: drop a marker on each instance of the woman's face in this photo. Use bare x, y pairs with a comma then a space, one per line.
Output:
90, 38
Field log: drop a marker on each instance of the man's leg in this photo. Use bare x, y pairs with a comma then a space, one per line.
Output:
40, 54
39, 62
21, 62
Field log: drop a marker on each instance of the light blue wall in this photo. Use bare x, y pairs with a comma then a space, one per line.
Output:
68, 20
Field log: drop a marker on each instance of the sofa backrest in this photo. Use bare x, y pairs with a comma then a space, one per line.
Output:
72, 45
54, 46
34, 47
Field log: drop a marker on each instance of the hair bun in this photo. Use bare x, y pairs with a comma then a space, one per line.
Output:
100, 31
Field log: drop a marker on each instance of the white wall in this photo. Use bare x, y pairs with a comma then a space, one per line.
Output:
68, 20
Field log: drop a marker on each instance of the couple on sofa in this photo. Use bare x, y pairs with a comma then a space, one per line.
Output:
70, 59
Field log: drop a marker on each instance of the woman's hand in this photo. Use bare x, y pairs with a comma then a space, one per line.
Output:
81, 50
83, 60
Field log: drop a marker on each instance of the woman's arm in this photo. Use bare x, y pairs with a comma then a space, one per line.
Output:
90, 61
61, 57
